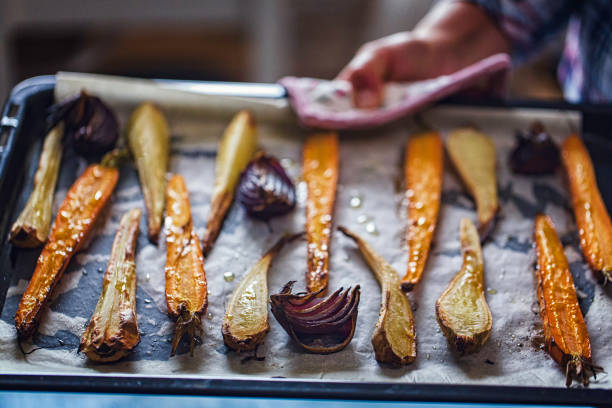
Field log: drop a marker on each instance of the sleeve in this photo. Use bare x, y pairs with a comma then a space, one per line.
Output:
529, 24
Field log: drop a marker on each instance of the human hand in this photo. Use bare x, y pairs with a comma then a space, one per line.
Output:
453, 35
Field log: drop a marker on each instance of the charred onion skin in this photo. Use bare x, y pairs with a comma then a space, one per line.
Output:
148, 137
113, 328
75, 219
320, 172
424, 164
245, 323
236, 149
590, 211
535, 152
91, 127
567, 339
466, 324
319, 326
186, 287
265, 189
32, 227
394, 339
473, 156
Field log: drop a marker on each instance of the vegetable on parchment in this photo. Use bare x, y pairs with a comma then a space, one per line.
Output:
34, 222
236, 149
565, 332
320, 172
149, 141
90, 125
321, 326
186, 287
74, 222
394, 339
113, 328
590, 211
473, 155
246, 316
424, 162
265, 189
462, 310
535, 152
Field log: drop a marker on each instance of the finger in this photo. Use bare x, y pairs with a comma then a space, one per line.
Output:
366, 73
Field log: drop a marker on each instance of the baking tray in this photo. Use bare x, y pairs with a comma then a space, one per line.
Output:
20, 145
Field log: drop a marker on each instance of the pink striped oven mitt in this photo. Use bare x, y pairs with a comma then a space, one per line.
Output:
328, 104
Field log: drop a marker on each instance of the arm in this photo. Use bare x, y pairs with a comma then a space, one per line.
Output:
451, 36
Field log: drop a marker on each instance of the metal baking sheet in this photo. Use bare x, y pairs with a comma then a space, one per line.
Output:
514, 348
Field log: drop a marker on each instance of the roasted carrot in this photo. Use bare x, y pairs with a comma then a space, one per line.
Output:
236, 149
590, 211
462, 310
393, 339
148, 136
423, 171
33, 224
567, 340
473, 155
112, 331
75, 220
186, 288
320, 172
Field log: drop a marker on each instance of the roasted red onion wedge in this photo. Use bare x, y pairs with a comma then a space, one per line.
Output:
265, 190
321, 326
90, 125
535, 152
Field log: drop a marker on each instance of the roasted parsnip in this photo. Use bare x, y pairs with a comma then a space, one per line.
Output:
423, 171
320, 172
186, 288
33, 224
590, 211
246, 316
113, 328
236, 149
462, 310
473, 155
149, 140
567, 340
75, 220
393, 338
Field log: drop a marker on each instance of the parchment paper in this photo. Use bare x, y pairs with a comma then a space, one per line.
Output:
369, 169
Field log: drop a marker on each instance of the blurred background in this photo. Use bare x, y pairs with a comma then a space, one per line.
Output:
229, 40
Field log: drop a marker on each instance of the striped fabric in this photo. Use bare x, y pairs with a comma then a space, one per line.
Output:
585, 70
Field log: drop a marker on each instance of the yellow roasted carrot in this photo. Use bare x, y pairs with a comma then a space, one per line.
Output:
236, 149
320, 172
567, 339
33, 224
112, 331
186, 288
393, 339
148, 136
423, 171
462, 310
590, 211
473, 154
75, 220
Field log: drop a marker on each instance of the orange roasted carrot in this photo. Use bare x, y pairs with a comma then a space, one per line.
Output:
186, 288
423, 171
320, 172
590, 211
75, 220
567, 340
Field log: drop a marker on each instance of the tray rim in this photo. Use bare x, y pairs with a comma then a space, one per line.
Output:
291, 388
